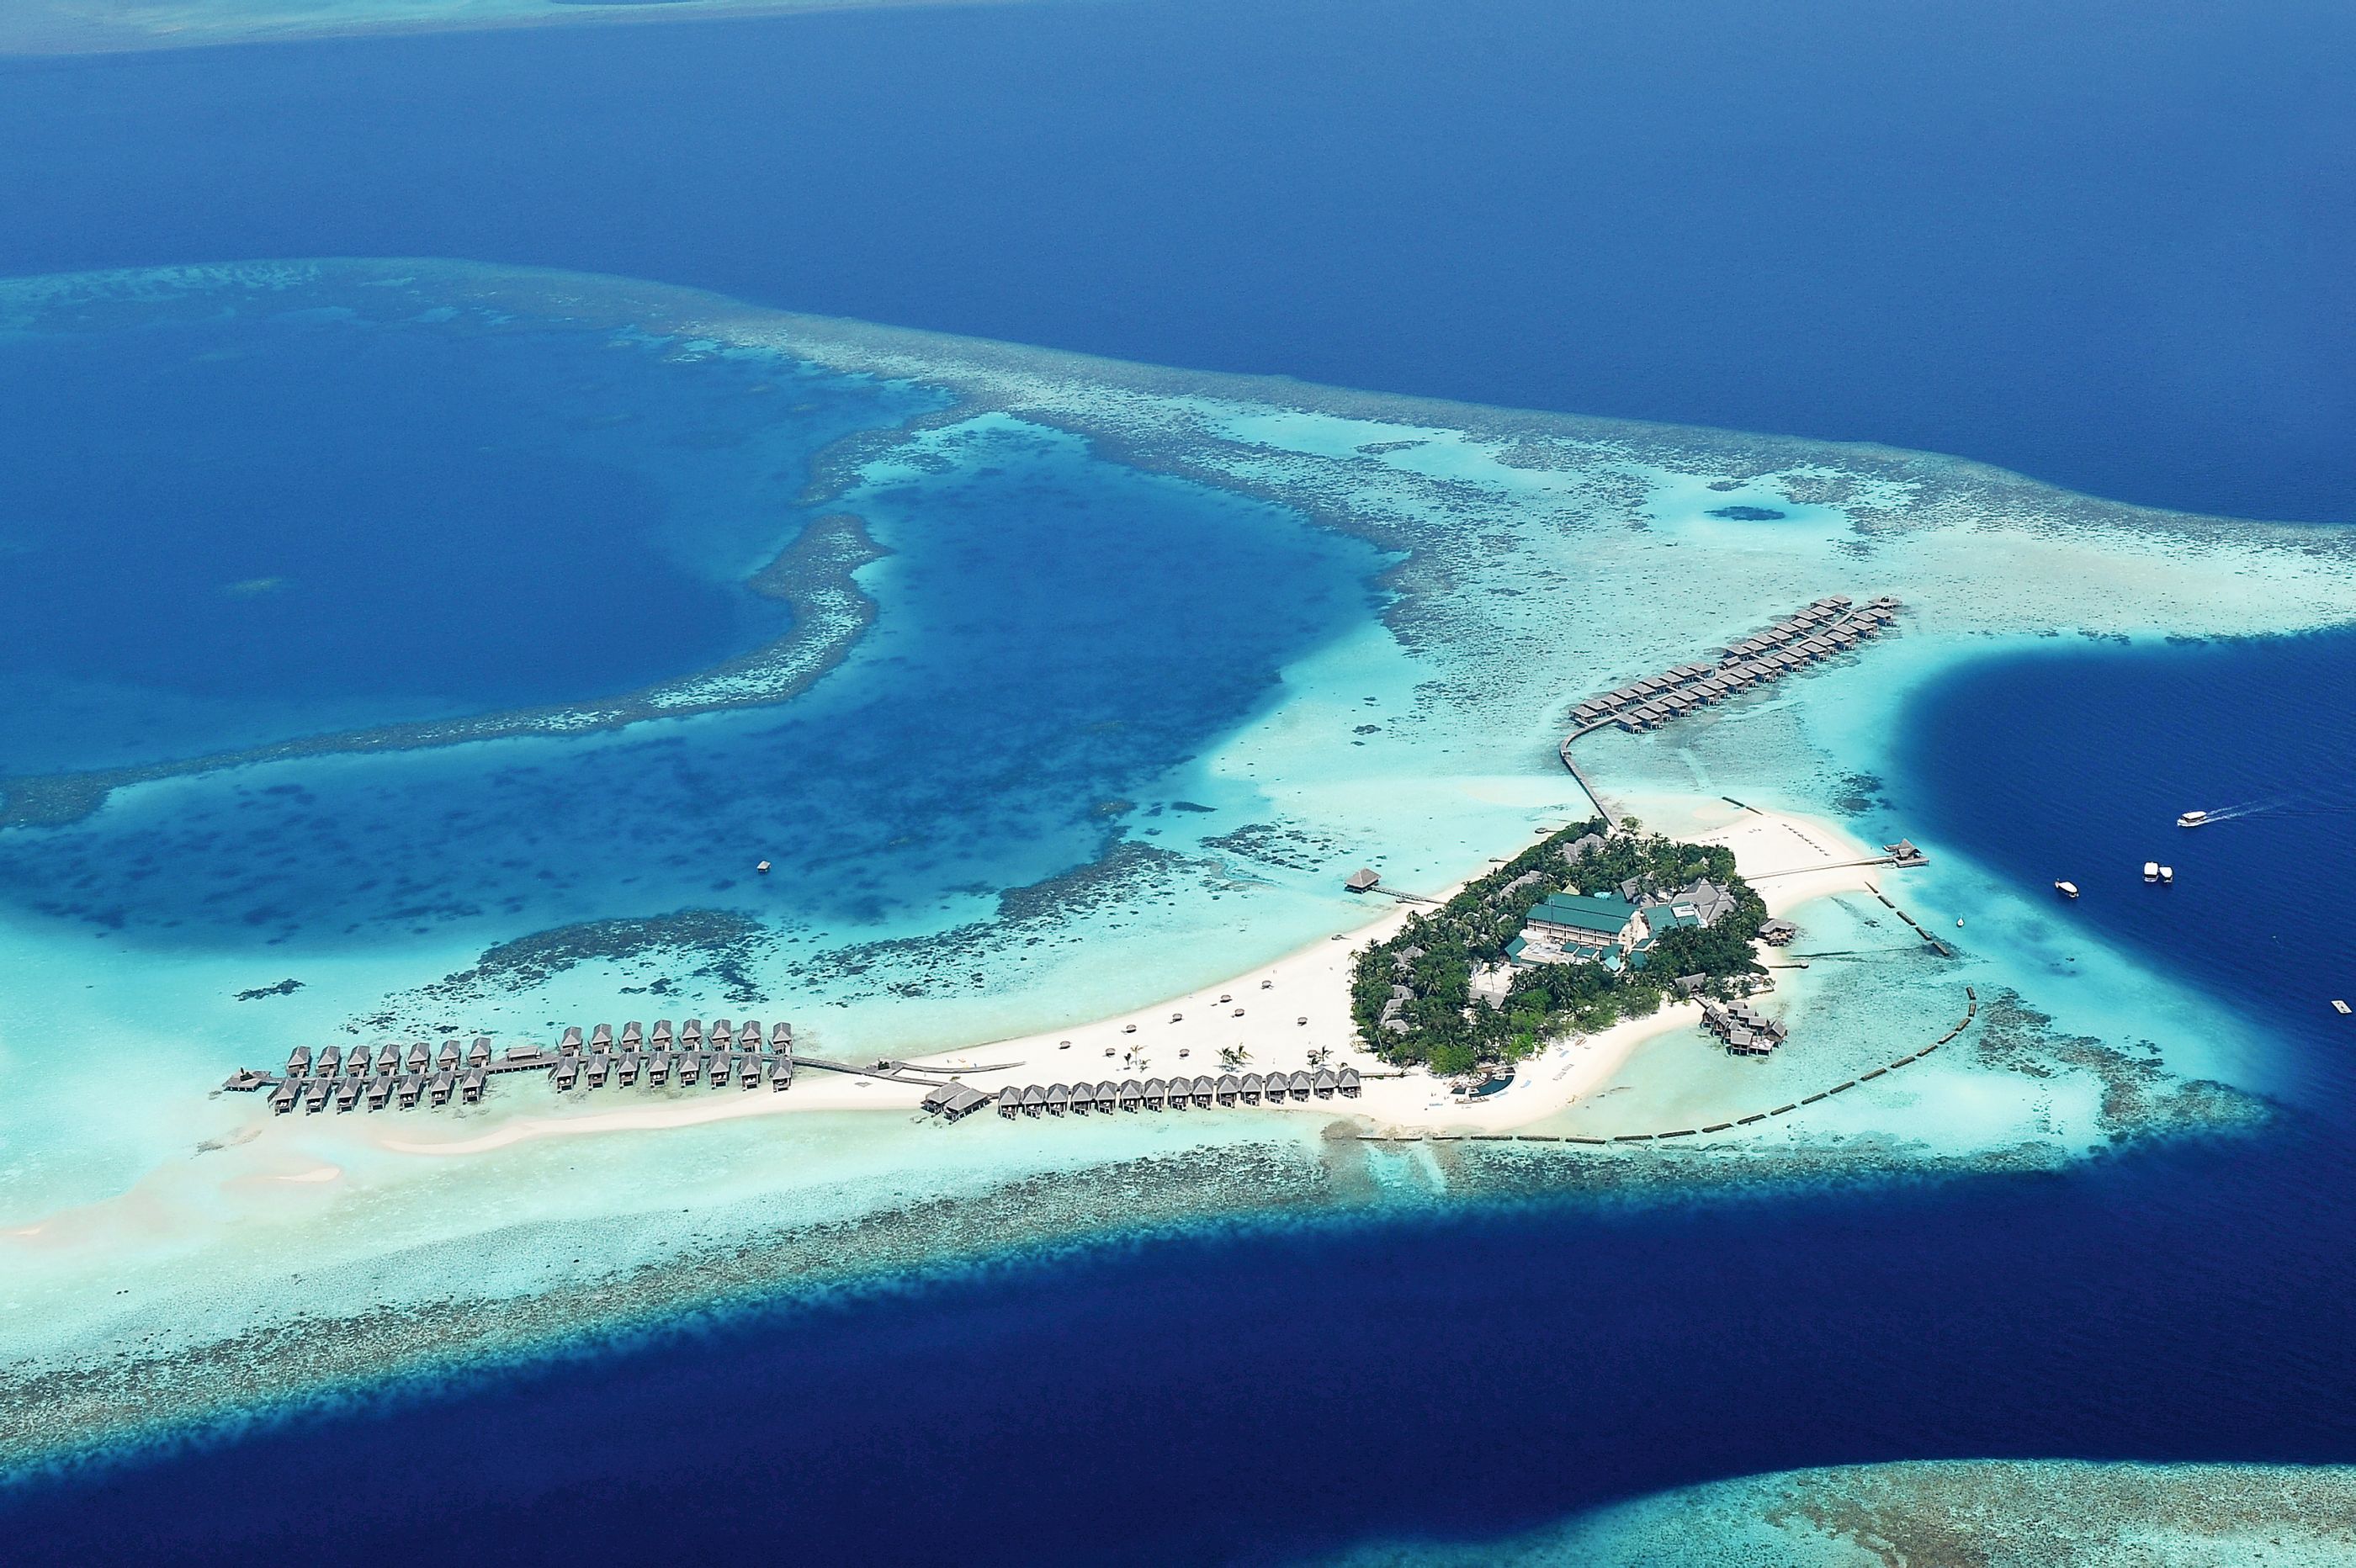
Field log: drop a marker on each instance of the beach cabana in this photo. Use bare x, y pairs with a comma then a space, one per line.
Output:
1155, 1094
1206, 1090
1108, 1096
1010, 1102
1324, 1083
1347, 1082
1132, 1094
1035, 1100
470, 1087
1057, 1100
1248, 1088
1300, 1084
283, 1098
781, 1073
1230, 1087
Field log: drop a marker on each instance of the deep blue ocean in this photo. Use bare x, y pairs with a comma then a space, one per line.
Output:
2096, 243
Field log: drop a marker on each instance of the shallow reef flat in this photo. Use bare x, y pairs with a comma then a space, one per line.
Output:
92, 27
1150, 661
1983, 1513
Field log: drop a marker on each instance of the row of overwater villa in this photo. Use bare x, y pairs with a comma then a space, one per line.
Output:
1824, 630
724, 1055
1202, 1093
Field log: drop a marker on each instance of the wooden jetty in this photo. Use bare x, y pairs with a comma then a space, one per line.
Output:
721, 1056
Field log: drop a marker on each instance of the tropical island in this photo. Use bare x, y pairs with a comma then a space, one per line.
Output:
1584, 928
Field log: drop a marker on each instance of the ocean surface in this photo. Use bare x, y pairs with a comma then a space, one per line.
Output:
2099, 250
2098, 244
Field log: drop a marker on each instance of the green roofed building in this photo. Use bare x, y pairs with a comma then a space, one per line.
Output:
1574, 928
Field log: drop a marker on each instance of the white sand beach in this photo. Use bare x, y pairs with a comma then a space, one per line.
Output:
1276, 1015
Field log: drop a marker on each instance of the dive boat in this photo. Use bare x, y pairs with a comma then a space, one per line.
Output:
2067, 889
2167, 875
2151, 871
2192, 820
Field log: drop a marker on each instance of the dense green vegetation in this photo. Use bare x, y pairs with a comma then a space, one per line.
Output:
1434, 955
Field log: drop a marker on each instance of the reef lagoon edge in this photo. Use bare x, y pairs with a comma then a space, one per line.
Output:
1478, 526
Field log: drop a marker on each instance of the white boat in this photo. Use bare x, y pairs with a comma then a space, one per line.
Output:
2151, 871
2167, 875
2067, 889
2192, 820
2340, 1007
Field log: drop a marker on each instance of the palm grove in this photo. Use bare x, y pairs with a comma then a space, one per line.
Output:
1432, 958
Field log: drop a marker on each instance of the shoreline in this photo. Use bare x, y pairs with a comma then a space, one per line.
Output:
1276, 1012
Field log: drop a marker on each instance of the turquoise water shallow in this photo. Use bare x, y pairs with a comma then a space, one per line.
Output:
1153, 660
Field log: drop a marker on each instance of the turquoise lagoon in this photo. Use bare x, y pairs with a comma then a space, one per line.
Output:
1133, 666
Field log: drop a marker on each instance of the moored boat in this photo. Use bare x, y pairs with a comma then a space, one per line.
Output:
2151, 871
2067, 889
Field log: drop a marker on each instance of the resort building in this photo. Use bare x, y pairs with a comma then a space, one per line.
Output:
1572, 928
1614, 929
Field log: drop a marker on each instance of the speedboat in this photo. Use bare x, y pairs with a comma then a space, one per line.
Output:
2192, 820
2067, 889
